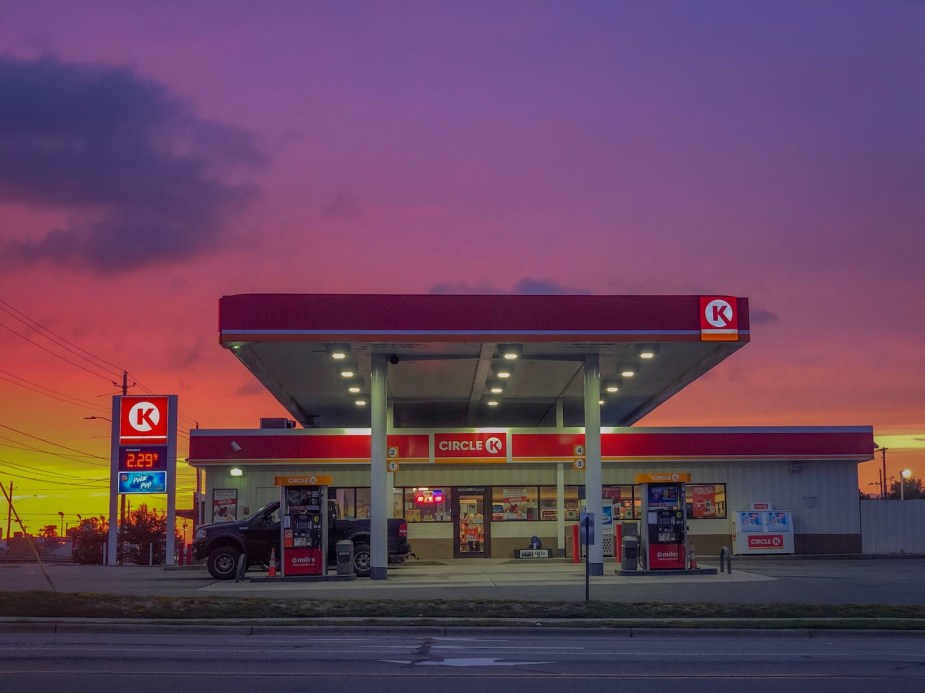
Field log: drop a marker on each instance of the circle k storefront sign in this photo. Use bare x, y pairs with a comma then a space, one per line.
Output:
470, 446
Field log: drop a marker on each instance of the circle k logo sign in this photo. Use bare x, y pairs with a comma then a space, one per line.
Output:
719, 319
143, 419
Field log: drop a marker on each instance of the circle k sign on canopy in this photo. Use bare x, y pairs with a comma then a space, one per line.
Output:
470, 446
719, 320
143, 419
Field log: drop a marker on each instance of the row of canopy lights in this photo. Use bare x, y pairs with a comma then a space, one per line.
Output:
349, 371
501, 371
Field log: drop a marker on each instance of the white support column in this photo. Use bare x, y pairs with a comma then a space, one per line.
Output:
378, 406
560, 505
112, 556
593, 484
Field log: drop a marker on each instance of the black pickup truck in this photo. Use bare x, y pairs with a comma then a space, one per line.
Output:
221, 543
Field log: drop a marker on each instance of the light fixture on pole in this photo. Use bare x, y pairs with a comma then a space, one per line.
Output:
61, 513
905, 474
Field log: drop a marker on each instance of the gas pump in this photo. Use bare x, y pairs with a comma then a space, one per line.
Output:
304, 525
664, 517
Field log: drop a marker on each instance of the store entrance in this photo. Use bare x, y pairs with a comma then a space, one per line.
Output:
471, 524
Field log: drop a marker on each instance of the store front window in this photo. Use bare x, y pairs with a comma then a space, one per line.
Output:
705, 501
428, 504
513, 503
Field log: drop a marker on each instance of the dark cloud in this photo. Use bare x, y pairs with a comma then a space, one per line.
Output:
762, 317
344, 206
141, 177
526, 285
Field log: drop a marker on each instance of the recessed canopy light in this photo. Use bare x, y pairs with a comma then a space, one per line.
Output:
495, 387
361, 402
348, 370
647, 351
627, 371
339, 351
236, 471
491, 402
611, 385
510, 351
502, 370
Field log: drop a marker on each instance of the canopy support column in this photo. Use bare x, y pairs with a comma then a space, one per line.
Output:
378, 406
593, 483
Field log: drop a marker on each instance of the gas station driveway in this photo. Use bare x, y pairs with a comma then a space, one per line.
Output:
765, 580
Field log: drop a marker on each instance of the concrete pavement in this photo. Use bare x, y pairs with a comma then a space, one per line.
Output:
753, 581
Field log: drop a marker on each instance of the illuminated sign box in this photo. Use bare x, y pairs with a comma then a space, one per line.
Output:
142, 482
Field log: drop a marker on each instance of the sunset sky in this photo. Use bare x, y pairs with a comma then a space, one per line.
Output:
155, 156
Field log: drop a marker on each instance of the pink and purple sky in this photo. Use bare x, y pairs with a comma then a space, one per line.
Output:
155, 156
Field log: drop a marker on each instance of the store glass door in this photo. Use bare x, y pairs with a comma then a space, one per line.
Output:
471, 524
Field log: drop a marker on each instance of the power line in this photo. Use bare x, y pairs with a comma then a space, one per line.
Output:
54, 337
53, 394
63, 447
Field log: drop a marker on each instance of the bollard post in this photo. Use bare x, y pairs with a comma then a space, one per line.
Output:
576, 545
242, 568
722, 560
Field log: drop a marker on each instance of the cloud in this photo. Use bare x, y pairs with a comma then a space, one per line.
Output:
344, 206
527, 285
762, 317
140, 177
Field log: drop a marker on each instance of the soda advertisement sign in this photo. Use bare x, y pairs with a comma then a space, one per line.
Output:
473, 446
142, 482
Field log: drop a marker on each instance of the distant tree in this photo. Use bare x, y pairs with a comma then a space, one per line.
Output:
912, 488
49, 531
89, 537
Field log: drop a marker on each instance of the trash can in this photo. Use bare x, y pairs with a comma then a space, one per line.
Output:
345, 557
630, 553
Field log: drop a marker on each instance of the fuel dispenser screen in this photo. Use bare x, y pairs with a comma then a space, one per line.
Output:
304, 533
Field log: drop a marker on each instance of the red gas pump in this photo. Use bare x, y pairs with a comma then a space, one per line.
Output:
664, 520
304, 525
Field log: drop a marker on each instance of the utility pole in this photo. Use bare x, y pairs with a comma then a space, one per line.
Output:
883, 461
9, 511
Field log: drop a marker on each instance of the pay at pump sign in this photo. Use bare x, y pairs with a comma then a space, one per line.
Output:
586, 527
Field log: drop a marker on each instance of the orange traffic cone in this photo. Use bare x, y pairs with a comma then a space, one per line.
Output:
272, 570
693, 559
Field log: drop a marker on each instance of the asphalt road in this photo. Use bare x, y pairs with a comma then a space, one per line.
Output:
754, 581
298, 660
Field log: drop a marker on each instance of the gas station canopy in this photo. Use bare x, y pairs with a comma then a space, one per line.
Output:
445, 351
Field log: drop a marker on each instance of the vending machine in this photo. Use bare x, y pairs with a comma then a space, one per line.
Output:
304, 525
664, 530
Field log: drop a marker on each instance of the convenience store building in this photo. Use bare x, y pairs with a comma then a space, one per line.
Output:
515, 410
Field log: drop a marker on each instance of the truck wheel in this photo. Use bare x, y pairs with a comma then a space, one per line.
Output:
223, 563
361, 559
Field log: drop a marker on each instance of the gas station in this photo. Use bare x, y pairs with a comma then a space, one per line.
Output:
490, 423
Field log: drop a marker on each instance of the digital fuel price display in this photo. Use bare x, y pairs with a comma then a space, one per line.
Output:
143, 459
